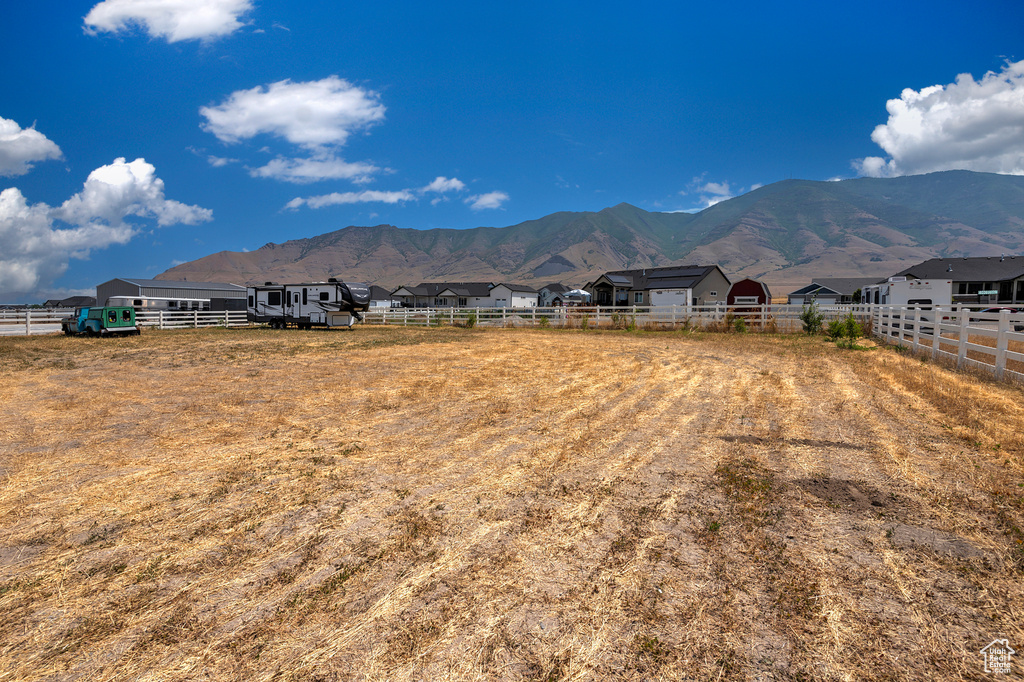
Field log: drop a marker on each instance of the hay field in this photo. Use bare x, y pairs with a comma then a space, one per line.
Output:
454, 504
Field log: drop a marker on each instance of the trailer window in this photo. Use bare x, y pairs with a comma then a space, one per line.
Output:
273, 298
296, 297
137, 302
250, 301
324, 296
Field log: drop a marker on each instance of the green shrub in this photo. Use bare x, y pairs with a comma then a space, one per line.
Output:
471, 320
739, 325
812, 318
852, 328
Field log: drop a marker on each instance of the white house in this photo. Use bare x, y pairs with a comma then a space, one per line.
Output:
513, 296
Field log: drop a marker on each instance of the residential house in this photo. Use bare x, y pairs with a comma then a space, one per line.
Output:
513, 296
445, 295
551, 295
986, 280
382, 298
70, 302
830, 290
670, 285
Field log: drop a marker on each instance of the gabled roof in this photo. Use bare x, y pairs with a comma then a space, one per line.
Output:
174, 284
379, 293
431, 289
845, 285
555, 288
522, 288
983, 269
815, 289
669, 277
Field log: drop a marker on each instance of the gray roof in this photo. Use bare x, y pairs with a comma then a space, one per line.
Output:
172, 284
555, 288
522, 288
816, 289
983, 269
379, 293
478, 289
669, 277
845, 285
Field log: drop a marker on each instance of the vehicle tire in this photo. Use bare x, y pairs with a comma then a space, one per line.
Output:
89, 331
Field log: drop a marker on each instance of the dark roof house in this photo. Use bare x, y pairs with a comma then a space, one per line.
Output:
670, 285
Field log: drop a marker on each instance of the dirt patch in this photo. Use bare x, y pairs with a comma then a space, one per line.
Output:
854, 496
914, 537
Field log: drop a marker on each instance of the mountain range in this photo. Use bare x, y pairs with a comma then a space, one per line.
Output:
785, 233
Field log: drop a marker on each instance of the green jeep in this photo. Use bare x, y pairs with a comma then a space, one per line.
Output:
111, 320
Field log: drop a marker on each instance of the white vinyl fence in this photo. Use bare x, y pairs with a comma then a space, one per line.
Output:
780, 318
992, 342
47, 321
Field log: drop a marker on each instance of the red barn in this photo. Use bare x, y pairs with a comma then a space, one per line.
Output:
748, 292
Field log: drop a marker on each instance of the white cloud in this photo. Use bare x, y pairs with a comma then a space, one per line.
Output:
313, 115
118, 190
21, 147
335, 198
479, 202
35, 249
325, 167
220, 161
318, 116
442, 185
970, 125
708, 193
171, 19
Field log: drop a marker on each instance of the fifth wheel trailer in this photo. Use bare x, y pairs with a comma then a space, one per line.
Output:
313, 304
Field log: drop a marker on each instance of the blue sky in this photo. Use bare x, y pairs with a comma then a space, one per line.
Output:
138, 134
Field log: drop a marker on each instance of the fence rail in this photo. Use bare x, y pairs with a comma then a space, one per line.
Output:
991, 342
781, 318
33, 321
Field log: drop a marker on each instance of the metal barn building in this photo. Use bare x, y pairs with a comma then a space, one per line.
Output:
216, 292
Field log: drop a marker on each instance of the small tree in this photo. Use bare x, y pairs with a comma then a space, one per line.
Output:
812, 318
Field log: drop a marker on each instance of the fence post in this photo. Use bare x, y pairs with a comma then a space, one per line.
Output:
160, 324
936, 331
1001, 342
961, 351
917, 327
28, 322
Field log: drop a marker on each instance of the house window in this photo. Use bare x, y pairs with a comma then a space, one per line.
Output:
746, 300
638, 297
712, 293
462, 302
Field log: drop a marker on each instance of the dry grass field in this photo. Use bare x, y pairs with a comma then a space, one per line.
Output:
456, 504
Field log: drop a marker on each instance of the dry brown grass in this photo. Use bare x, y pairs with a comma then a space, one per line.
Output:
412, 504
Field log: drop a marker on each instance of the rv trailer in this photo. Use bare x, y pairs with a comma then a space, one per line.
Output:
313, 304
